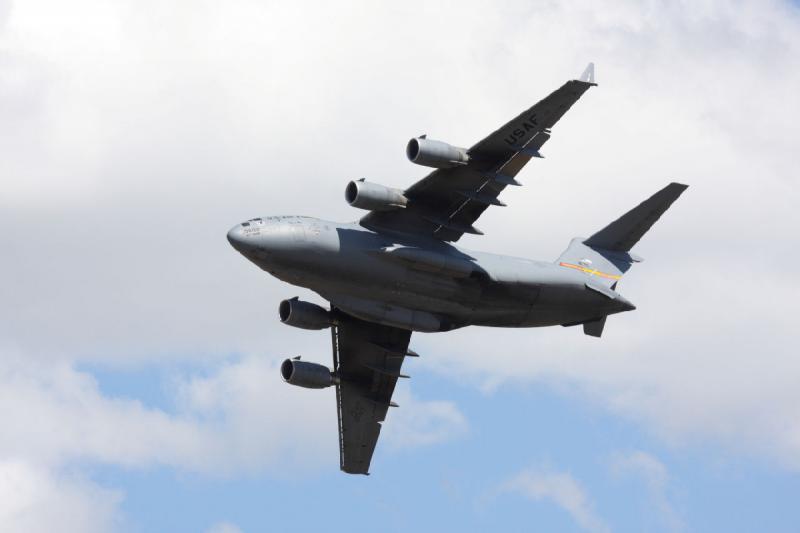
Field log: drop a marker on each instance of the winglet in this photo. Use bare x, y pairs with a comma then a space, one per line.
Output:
588, 74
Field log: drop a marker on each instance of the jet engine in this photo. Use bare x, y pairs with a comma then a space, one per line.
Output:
305, 315
436, 154
305, 374
373, 197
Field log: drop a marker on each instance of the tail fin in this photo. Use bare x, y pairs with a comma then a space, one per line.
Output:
605, 256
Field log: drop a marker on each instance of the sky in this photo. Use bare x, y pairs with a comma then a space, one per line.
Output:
139, 353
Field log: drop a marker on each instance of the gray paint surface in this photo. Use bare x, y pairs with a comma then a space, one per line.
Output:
396, 270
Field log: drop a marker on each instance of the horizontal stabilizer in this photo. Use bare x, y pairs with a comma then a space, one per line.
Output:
623, 233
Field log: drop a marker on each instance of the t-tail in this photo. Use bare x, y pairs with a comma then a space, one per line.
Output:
606, 256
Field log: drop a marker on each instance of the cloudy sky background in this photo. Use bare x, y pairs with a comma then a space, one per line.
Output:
138, 352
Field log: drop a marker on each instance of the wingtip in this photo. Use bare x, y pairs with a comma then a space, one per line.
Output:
676, 188
588, 74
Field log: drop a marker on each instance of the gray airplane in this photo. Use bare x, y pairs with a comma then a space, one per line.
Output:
396, 270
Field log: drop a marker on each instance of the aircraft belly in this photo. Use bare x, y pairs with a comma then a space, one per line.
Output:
369, 280
460, 302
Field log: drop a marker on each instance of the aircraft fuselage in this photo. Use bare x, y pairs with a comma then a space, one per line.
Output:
417, 283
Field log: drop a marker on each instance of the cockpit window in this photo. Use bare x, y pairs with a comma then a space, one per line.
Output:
245, 224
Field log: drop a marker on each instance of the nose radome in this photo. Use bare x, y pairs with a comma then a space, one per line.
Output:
235, 237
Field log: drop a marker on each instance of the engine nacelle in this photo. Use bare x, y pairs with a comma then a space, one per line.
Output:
436, 154
373, 197
305, 315
305, 374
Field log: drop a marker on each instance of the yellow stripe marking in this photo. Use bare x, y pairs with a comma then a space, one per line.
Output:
591, 272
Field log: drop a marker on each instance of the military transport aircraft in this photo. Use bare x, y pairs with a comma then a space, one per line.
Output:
396, 270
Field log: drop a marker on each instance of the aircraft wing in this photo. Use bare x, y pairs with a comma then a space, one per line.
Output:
367, 358
447, 202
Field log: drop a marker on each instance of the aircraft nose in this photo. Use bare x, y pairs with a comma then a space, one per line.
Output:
236, 237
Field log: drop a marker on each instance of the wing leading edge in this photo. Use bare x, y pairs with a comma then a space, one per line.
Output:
447, 202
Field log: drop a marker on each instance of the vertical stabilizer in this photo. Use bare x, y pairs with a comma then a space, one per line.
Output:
604, 257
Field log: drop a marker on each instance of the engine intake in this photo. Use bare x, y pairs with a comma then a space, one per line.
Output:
373, 197
305, 374
304, 315
436, 154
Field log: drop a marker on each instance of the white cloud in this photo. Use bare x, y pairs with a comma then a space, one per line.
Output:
561, 489
34, 499
257, 421
57, 413
240, 418
134, 137
655, 476
265, 423
709, 354
421, 422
